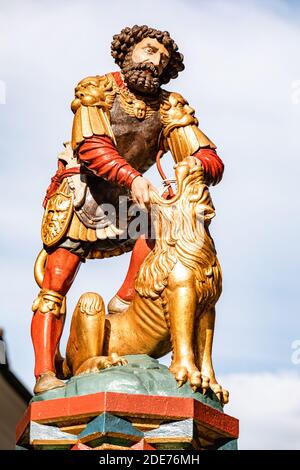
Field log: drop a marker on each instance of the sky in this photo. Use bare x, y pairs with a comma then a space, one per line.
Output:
243, 78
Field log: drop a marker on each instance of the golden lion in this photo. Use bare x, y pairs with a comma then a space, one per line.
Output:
177, 288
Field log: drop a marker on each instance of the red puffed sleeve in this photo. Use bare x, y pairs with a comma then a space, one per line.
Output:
60, 174
212, 165
99, 154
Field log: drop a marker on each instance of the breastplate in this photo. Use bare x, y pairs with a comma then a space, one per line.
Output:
138, 143
137, 140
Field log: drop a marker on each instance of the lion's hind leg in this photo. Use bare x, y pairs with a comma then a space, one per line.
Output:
85, 344
94, 364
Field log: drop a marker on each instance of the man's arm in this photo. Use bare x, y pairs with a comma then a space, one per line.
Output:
99, 154
183, 137
212, 165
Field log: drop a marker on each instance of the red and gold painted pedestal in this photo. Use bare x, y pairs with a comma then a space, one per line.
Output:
109, 420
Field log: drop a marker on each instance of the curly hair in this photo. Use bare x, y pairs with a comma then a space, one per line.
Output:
124, 42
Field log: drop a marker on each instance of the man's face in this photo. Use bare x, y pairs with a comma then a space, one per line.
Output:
57, 213
149, 50
53, 221
143, 66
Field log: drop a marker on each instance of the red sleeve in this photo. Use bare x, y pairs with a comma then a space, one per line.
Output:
55, 182
99, 154
212, 165
60, 174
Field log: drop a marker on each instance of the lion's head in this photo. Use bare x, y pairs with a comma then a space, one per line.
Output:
181, 229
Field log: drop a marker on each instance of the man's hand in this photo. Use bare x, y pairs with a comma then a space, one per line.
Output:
140, 191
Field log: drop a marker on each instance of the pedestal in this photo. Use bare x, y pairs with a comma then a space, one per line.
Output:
137, 407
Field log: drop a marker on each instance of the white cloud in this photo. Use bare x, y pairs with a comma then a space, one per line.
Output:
268, 407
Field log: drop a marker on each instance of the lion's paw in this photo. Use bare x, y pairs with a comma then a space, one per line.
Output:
94, 364
184, 372
221, 393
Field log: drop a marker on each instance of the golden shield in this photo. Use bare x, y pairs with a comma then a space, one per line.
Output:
57, 217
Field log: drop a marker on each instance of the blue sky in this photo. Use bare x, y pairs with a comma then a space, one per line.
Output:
242, 76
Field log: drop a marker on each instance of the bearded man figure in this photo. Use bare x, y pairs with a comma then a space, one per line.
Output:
122, 120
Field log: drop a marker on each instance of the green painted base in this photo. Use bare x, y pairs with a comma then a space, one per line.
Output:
143, 375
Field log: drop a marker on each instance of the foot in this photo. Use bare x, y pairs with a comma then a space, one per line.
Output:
209, 381
185, 370
47, 381
94, 364
117, 305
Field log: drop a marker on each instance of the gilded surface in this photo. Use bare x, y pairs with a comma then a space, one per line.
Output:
176, 112
94, 91
79, 231
49, 301
57, 216
179, 283
181, 133
94, 96
141, 108
177, 288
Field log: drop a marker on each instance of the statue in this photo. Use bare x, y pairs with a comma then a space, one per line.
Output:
124, 122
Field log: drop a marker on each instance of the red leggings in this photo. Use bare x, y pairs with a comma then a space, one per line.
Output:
60, 272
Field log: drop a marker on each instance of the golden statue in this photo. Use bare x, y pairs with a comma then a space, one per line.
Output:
173, 308
123, 122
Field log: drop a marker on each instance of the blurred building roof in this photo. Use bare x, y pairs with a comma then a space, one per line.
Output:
14, 398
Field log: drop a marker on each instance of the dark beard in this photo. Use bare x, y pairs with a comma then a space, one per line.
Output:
142, 78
